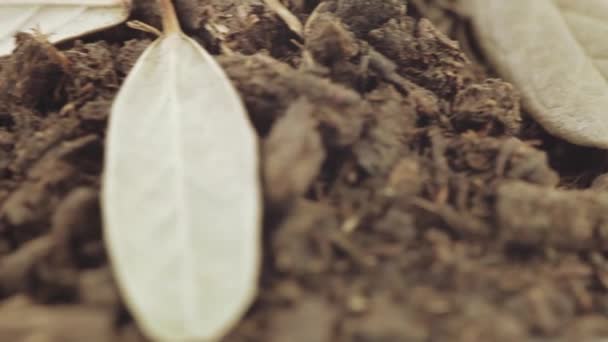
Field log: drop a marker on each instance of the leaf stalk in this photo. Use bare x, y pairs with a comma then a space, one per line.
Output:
169, 17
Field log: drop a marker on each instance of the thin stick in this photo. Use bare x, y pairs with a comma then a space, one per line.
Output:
141, 26
170, 21
285, 14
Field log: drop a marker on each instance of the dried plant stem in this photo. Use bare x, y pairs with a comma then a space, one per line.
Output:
170, 21
141, 26
285, 14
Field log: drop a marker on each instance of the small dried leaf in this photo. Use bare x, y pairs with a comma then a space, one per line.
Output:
555, 52
59, 19
181, 195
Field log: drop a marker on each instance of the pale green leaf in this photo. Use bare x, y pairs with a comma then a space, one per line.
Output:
58, 19
556, 53
181, 194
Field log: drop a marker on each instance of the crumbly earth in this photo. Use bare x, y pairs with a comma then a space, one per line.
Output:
408, 196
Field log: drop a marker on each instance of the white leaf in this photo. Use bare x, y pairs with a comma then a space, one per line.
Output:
556, 52
181, 194
59, 19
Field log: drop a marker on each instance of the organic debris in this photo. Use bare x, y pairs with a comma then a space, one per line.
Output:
422, 202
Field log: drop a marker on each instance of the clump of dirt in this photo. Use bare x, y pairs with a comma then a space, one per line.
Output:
408, 196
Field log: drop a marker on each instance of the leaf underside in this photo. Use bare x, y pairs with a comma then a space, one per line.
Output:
556, 53
181, 195
58, 22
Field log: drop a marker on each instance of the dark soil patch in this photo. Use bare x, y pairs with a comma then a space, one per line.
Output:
408, 197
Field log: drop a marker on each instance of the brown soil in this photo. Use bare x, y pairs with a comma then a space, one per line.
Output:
408, 197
